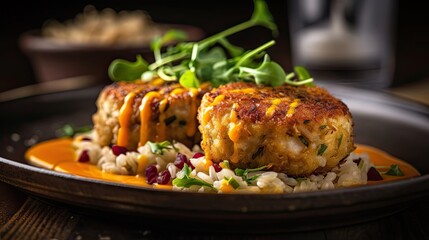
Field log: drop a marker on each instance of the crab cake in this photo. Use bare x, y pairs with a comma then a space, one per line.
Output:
130, 114
295, 130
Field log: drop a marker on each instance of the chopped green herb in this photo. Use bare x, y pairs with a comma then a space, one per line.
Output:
322, 149
340, 139
322, 127
226, 164
243, 173
303, 140
69, 130
232, 182
394, 171
170, 120
186, 181
159, 147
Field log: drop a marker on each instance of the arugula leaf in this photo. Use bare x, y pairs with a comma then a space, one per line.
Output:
159, 147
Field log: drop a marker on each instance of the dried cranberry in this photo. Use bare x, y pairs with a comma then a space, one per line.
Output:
198, 155
84, 156
217, 167
374, 175
181, 159
151, 180
164, 177
190, 164
118, 150
151, 172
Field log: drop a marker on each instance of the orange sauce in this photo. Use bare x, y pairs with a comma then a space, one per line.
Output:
59, 155
145, 113
292, 107
124, 118
191, 127
381, 158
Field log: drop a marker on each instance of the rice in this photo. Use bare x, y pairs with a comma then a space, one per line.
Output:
201, 175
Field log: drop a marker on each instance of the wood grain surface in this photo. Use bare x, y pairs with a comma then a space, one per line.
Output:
38, 219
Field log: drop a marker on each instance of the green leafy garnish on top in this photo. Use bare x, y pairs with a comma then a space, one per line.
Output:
213, 59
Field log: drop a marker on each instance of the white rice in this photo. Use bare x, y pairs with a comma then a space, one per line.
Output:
347, 174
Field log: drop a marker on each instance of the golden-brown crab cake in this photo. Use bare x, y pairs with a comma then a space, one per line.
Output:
130, 114
296, 130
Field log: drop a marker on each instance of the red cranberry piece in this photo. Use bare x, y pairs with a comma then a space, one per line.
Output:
118, 150
181, 159
164, 177
374, 175
190, 164
84, 156
198, 155
151, 172
217, 167
151, 180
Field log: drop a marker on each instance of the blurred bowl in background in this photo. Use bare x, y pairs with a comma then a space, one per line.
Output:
53, 60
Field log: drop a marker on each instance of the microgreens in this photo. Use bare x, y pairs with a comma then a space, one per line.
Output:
212, 59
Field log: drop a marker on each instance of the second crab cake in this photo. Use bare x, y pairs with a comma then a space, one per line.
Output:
131, 113
296, 130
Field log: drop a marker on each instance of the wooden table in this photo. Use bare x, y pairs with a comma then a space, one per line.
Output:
26, 217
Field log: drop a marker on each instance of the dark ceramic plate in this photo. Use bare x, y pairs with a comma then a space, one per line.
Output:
381, 120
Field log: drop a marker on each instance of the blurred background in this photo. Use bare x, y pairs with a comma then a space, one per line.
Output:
402, 30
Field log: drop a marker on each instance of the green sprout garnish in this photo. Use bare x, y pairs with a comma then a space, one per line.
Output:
213, 59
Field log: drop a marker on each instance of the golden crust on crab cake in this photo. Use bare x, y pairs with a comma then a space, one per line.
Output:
131, 113
296, 130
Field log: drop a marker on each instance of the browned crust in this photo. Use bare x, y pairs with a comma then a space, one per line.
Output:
118, 91
177, 114
315, 104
